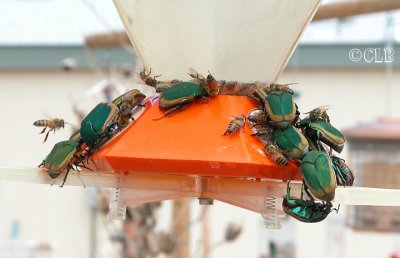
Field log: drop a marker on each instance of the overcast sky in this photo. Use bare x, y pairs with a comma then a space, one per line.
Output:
66, 22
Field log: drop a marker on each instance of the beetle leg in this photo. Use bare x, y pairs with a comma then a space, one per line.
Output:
259, 102
65, 177
301, 191
83, 183
84, 166
336, 209
44, 129
41, 164
288, 190
169, 111
79, 175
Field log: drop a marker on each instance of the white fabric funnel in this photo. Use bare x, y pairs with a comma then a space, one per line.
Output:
244, 40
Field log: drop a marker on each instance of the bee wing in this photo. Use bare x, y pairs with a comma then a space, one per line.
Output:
284, 84
193, 73
324, 107
48, 116
321, 108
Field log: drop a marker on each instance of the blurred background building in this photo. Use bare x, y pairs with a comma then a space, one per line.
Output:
47, 70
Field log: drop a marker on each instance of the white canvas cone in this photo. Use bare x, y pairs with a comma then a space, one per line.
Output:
244, 40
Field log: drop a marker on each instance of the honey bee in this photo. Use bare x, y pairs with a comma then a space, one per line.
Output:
319, 113
52, 124
147, 79
257, 119
212, 85
264, 131
273, 153
200, 79
234, 125
274, 87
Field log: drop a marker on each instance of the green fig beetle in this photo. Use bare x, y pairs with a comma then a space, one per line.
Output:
60, 158
281, 109
344, 174
307, 211
318, 175
291, 142
179, 96
320, 130
95, 125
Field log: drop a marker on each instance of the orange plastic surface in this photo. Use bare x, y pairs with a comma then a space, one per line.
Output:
191, 142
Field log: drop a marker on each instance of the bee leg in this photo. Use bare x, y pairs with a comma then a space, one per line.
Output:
227, 132
254, 125
203, 102
47, 135
169, 111
44, 129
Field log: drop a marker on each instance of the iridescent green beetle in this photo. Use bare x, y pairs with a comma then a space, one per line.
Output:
291, 142
179, 96
95, 125
344, 175
307, 211
318, 175
60, 158
323, 131
281, 109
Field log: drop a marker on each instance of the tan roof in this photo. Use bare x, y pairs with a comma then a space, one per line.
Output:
381, 129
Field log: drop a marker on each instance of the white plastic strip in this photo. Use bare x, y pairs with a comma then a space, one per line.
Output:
344, 195
367, 196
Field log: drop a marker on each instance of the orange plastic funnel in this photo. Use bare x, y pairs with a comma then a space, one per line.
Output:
191, 142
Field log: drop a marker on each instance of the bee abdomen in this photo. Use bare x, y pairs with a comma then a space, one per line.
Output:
231, 128
40, 123
282, 161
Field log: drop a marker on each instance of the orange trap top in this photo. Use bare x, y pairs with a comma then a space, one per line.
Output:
191, 142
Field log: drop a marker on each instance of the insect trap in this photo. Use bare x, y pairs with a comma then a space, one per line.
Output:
186, 155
